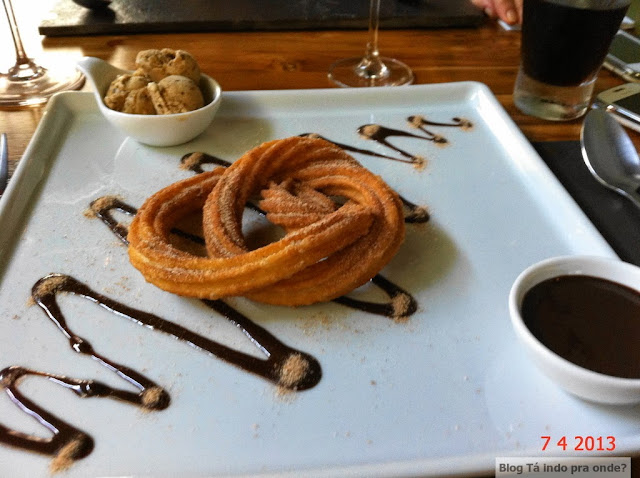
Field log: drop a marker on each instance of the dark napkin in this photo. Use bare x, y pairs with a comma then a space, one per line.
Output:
617, 219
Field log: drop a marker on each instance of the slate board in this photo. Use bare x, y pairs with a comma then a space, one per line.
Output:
165, 16
617, 219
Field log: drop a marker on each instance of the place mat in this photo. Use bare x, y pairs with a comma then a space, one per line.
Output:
168, 16
617, 219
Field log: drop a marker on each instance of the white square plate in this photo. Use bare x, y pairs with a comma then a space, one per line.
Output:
445, 392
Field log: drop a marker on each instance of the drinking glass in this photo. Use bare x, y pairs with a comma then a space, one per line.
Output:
564, 43
27, 83
372, 69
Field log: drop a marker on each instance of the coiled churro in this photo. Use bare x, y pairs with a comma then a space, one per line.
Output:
328, 250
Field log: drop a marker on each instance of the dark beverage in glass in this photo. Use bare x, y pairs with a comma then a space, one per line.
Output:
564, 43
572, 57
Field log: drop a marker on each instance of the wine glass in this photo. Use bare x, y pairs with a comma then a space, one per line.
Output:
27, 83
372, 69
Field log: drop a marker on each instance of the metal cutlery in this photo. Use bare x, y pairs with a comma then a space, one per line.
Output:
4, 162
610, 154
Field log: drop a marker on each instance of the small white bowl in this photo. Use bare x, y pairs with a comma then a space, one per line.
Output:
154, 130
579, 381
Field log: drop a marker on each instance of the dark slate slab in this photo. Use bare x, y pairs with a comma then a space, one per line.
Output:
165, 16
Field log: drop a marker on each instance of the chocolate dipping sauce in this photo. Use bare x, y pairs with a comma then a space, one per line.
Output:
592, 322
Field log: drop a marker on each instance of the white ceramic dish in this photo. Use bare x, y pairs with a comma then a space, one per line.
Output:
444, 393
581, 382
154, 130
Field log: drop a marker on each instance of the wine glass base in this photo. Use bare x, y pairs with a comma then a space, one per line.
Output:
349, 73
21, 93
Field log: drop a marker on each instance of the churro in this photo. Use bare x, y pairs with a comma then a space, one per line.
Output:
330, 247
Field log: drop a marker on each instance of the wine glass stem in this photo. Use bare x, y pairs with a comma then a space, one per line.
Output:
25, 68
21, 55
371, 66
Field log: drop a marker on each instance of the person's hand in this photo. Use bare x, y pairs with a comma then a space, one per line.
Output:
509, 11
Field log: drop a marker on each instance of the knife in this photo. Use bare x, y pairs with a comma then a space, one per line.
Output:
610, 155
4, 162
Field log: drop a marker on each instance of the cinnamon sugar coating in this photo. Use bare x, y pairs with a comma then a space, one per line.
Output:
328, 250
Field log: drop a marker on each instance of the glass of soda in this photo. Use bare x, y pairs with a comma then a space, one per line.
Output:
564, 43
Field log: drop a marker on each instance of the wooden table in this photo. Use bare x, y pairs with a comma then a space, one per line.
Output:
291, 60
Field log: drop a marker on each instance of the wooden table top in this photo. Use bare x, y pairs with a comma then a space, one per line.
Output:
292, 60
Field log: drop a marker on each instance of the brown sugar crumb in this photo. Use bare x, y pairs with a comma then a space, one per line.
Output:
7, 380
440, 141
400, 304
416, 121
152, 397
420, 213
369, 131
50, 285
419, 163
67, 455
293, 370
191, 161
465, 124
103, 203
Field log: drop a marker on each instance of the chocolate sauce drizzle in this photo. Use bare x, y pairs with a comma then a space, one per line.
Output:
277, 353
401, 306
284, 366
194, 161
104, 207
420, 122
353, 149
64, 434
380, 134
